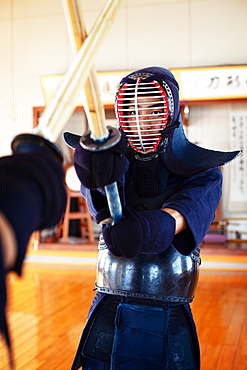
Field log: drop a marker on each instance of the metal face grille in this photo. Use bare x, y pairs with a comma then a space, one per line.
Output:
142, 110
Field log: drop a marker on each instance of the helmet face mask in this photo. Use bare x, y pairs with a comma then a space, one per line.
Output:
143, 109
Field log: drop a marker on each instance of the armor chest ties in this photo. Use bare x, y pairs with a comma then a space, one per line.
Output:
138, 203
149, 177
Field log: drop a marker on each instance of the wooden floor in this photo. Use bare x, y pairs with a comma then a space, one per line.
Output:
220, 312
48, 306
47, 310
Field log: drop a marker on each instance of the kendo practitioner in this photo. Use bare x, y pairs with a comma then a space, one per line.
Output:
148, 261
32, 197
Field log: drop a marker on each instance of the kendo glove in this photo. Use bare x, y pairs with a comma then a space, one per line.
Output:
138, 232
96, 169
33, 194
33, 197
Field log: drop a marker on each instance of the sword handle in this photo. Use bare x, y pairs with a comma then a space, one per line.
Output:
114, 203
87, 141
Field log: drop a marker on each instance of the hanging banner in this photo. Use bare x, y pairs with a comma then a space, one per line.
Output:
238, 167
196, 84
212, 83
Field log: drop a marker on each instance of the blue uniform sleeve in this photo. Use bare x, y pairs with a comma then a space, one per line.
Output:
196, 199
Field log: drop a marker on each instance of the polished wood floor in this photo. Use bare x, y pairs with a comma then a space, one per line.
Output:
220, 312
47, 309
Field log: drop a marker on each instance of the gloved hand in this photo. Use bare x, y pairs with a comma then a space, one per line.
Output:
96, 169
138, 232
33, 195
39, 163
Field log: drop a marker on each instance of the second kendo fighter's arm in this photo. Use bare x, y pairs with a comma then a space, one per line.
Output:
182, 221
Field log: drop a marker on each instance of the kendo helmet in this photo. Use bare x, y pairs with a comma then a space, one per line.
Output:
147, 102
159, 130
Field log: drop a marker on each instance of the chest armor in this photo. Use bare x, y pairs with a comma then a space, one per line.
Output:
167, 276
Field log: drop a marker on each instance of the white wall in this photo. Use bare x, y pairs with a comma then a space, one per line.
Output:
170, 33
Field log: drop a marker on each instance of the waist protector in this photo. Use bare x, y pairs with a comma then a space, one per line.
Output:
168, 276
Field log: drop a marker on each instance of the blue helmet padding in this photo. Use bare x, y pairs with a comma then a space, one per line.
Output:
185, 159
